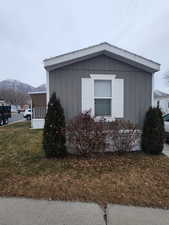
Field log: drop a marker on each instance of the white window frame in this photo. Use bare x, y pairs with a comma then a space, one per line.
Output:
110, 77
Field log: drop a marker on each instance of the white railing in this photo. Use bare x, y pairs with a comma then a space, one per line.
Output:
38, 112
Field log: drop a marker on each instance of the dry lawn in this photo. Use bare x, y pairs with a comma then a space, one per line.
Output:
132, 178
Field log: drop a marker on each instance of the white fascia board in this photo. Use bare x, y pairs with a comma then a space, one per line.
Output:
152, 97
47, 87
73, 55
36, 92
98, 48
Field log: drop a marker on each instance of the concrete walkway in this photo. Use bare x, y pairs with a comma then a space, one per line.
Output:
129, 215
20, 211
16, 211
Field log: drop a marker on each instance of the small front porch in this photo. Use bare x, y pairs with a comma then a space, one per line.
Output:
39, 109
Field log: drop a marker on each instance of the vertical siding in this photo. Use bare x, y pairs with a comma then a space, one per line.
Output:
66, 82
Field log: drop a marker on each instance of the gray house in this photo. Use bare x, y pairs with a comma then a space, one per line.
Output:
111, 82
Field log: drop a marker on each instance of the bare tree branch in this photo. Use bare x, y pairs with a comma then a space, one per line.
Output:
14, 97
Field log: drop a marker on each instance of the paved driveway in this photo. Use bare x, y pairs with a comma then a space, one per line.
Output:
20, 211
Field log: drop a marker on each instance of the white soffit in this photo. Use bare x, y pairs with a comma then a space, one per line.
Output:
100, 48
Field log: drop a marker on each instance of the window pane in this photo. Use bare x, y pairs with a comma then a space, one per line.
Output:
102, 107
102, 88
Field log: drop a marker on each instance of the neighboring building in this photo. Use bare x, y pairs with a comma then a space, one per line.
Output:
38, 105
161, 99
111, 82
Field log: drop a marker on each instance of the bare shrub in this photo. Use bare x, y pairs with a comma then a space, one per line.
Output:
122, 136
85, 134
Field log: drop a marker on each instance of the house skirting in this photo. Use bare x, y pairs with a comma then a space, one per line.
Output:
37, 123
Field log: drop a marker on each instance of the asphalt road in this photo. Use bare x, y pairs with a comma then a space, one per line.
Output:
16, 117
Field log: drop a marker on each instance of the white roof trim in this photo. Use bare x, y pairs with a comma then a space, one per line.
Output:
103, 76
36, 92
98, 48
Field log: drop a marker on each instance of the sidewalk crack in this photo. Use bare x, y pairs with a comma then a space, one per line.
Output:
105, 214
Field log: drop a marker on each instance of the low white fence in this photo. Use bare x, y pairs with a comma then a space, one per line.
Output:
37, 123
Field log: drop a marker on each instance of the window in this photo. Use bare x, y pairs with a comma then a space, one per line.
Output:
103, 97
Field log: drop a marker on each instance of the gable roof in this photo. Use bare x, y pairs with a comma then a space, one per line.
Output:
103, 48
160, 94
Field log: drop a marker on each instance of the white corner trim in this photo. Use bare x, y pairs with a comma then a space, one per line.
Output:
47, 87
103, 76
152, 97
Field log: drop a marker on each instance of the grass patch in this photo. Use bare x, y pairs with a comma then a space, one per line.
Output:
132, 178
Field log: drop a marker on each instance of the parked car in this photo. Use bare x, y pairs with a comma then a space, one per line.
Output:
5, 114
28, 114
166, 126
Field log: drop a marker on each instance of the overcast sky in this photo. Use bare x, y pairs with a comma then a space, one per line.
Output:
36, 29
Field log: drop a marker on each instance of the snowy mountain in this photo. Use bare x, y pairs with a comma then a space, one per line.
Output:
20, 86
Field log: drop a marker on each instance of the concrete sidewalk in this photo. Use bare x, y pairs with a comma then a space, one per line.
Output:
20, 211
17, 211
129, 215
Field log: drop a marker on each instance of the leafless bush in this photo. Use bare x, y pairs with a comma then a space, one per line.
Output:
122, 136
86, 135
